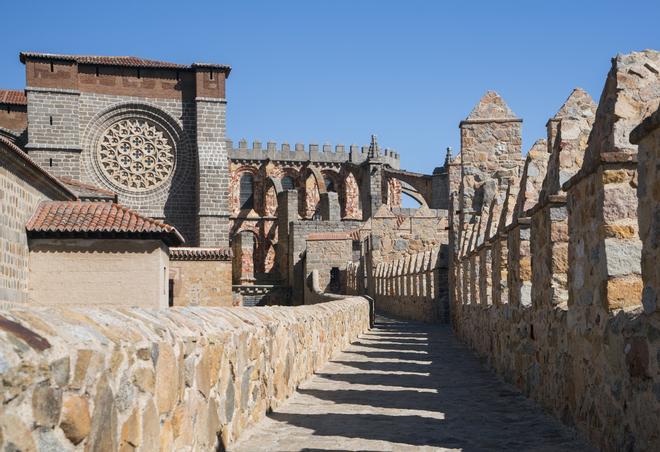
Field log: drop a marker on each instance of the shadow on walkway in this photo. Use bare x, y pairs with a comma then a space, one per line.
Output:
407, 385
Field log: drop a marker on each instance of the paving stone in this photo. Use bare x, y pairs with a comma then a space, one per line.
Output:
408, 386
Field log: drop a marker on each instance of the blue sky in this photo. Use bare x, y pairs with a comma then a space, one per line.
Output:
337, 71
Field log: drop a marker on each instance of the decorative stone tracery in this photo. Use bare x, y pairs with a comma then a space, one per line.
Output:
136, 155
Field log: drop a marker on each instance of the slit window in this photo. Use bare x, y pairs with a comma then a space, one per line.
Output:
52, 67
247, 191
211, 75
97, 71
50, 120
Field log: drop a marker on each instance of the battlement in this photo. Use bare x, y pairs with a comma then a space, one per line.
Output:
313, 153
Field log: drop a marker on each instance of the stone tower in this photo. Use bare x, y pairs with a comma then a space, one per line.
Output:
491, 145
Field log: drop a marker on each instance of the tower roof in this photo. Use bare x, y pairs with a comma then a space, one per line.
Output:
491, 107
579, 104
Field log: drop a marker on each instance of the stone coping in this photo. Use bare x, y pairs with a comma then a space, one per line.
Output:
184, 378
200, 254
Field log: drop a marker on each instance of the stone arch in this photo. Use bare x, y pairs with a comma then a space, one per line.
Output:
314, 186
414, 194
273, 186
334, 178
234, 188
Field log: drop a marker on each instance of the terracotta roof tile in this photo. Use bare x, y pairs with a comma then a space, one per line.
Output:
127, 61
12, 97
200, 254
97, 218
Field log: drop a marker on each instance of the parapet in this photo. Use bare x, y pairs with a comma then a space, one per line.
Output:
312, 153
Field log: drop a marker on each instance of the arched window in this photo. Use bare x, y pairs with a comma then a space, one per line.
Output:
288, 183
329, 184
246, 193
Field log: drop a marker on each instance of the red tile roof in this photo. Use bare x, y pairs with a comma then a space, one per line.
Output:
103, 219
329, 236
12, 97
200, 254
88, 191
128, 61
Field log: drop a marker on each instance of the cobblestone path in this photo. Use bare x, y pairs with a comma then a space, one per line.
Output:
408, 386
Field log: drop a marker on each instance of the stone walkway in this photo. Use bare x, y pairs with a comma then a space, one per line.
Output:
408, 386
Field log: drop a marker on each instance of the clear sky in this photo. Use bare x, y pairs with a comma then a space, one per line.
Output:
337, 71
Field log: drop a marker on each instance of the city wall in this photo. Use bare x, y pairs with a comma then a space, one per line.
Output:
559, 291
175, 379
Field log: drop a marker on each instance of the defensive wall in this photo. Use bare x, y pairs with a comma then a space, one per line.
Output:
554, 268
173, 379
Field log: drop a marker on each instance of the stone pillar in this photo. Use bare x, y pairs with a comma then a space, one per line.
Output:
287, 212
243, 245
211, 106
329, 206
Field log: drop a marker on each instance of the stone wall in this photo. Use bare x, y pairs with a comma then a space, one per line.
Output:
325, 252
176, 379
200, 277
413, 287
22, 186
572, 319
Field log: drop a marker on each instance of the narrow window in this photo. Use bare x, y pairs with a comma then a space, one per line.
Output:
97, 71
288, 183
52, 68
246, 191
50, 119
334, 286
50, 162
211, 74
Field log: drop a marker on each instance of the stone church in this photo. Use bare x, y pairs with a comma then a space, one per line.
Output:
151, 135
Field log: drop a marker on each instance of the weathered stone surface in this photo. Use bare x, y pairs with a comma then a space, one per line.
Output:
584, 345
76, 422
46, 405
140, 399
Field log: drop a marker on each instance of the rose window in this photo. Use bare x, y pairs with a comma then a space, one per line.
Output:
136, 154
